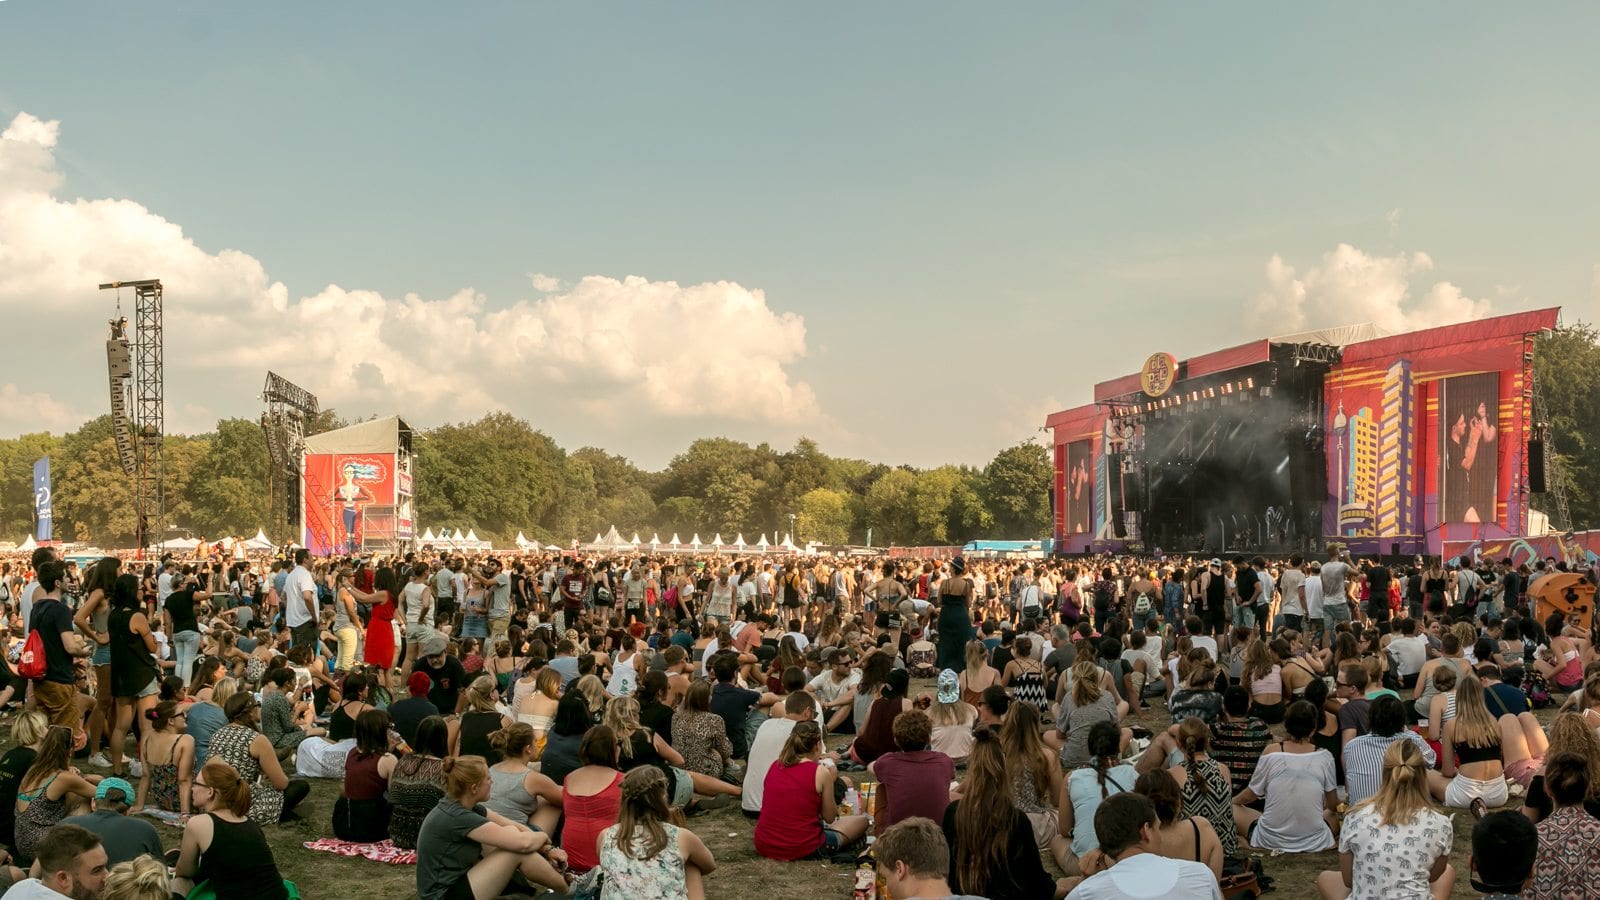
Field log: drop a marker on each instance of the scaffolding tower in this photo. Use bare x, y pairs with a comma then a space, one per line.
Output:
284, 422
149, 411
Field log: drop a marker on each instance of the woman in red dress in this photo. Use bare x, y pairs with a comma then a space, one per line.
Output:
380, 645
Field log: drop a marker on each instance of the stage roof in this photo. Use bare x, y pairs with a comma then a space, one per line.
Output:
1364, 341
376, 436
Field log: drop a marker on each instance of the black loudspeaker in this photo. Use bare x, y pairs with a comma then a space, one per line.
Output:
1536, 466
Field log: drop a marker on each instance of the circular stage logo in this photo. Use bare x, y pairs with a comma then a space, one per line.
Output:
1158, 374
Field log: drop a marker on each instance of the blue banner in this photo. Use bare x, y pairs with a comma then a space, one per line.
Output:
41, 500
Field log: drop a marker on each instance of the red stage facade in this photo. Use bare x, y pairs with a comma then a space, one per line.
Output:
1390, 444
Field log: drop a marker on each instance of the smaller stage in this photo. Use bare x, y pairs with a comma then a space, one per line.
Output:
356, 489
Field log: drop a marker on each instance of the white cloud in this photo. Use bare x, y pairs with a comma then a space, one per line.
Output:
24, 412
1393, 218
1350, 286
614, 352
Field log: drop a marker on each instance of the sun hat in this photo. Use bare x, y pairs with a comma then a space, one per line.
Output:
949, 687
958, 566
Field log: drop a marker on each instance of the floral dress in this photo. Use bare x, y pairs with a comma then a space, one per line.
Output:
231, 744
658, 878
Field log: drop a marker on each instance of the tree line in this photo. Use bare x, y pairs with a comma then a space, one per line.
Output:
500, 476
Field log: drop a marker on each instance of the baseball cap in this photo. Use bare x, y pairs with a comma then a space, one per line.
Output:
1217, 563
114, 783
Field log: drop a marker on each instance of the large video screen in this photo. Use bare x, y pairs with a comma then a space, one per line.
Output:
1469, 442
1079, 488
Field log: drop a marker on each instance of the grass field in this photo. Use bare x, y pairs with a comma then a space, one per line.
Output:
741, 875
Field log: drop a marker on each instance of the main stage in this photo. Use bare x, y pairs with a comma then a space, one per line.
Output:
1390, 444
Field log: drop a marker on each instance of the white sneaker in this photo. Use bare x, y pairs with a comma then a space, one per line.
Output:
99, 761
134, 769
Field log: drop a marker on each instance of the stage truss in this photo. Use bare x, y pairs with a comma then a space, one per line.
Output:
149, 419
284, 422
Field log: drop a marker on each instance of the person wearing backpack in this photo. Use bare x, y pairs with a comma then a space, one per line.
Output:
53, 642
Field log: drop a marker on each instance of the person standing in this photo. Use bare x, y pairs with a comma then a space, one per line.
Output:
55, 692
182, 623
300, 602
955, 614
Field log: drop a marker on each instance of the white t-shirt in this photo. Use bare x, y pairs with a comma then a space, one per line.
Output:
827, 690
801, 642
1289, 583
1410, 654
1313, 598
299, 581
1294, 785
1334, 575
1146, 876
1205, 642
764, 751
25, 606
163, 586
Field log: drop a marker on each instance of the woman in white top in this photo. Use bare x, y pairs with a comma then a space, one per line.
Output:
539, 709
416, 604
952, 719
628, 670
720, 606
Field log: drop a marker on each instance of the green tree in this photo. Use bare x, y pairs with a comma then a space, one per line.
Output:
1016, 490
228, 489
680, 515
729, 499
93, 497
496, 475
17, 456
889, 509
824, 515
1567, 366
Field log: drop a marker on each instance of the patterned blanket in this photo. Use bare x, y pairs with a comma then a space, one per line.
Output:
383, 851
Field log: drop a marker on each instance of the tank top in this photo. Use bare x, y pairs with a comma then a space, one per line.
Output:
411, 596
341, 616
1216, 593
361, 778
508, 795
476, 727
623, 677
239, 863
132, 666
1028, 686
1429, 691
340, 725
586, 818
790, 826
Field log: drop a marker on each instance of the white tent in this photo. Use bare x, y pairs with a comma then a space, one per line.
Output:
694, 542
259, 542
522, 541
655, 539
717, 541
761, 545
788, 544
427, 536
738, 542
635, 542
179, 544
675, 541
27, 546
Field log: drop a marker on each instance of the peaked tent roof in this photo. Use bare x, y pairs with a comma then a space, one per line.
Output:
376, 436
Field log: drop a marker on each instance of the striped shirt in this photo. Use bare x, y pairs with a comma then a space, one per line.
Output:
1363, 761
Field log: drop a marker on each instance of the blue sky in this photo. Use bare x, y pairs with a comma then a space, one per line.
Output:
977, 213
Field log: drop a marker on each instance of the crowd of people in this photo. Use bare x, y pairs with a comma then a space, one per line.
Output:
1090, 728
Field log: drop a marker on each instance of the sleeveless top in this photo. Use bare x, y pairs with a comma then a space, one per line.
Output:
341, 727
660, 877
1429, 691
341, 616
411, 596
623, 677
476, 726
1028, 686
132, 666
586, 818
164, 780
789, 827
231, 744
239, 863
415, 789
1215, 805
508, 795
41, 815
361, 778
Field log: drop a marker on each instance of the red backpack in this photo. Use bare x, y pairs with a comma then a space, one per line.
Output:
30, 664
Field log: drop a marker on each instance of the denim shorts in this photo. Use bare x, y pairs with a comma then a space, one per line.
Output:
1335, 612
831, 842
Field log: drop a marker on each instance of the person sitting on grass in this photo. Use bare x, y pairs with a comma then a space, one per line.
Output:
644, 854
1568, 863
467, 850
1395, 845
71, 863
913, 860
1189, 837
124, 836
361, 814
799, 810
913, 780
223, 848
1363, 756
1130, 847
993, 851
143, 878
1504, 845
520, 792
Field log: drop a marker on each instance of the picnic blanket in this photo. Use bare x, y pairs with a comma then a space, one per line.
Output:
383, 851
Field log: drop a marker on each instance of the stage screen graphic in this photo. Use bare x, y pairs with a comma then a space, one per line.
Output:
1469, 440
336, 490
1079, 488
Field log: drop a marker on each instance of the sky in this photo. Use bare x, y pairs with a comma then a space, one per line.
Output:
907, 230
